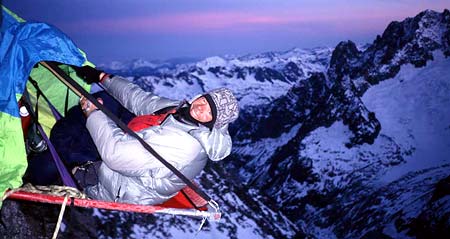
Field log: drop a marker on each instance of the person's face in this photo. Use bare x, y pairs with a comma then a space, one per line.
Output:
200, 110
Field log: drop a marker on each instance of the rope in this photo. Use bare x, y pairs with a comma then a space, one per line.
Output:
201, 225
8, 193
55, 190
60, 217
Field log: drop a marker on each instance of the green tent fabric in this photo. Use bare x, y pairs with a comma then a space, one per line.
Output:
55, 91
22, 46
12, 152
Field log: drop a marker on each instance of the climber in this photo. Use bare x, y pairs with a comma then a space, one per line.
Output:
183, 133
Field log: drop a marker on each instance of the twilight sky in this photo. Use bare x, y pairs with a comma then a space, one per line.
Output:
160, 29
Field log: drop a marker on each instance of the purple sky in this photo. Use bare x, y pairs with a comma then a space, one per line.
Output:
160, 29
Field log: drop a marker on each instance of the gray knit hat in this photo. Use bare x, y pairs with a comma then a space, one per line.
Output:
224, 106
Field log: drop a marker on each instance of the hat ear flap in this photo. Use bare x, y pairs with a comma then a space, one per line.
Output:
212, 105
226, 104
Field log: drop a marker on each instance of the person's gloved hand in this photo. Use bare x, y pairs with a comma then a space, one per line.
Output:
89, 74
88, 107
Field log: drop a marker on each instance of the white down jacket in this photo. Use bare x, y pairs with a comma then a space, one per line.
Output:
131, 174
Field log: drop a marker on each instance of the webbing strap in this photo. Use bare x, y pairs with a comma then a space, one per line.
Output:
80, 91
64, 173
66, 103
39, 92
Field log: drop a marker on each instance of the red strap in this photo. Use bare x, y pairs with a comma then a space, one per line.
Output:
144, 121
186, 198
104, 77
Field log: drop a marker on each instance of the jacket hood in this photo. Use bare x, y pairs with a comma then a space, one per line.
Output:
216, 142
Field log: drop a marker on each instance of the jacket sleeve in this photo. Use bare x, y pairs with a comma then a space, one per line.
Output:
122, 152
135, 99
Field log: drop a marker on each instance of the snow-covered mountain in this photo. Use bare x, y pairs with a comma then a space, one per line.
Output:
333, 143
256, 79
344, 142
141, 67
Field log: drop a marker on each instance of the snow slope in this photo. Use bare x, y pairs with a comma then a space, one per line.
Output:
399, 170
414, 110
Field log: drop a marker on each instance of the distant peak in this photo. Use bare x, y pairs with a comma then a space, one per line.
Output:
213, 61
429, 12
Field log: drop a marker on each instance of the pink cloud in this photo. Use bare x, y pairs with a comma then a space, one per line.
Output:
180, 22
337, 19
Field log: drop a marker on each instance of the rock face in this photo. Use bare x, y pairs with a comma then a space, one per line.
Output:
277, 183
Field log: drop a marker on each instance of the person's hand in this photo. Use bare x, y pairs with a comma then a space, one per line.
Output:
87, 107
89, 74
